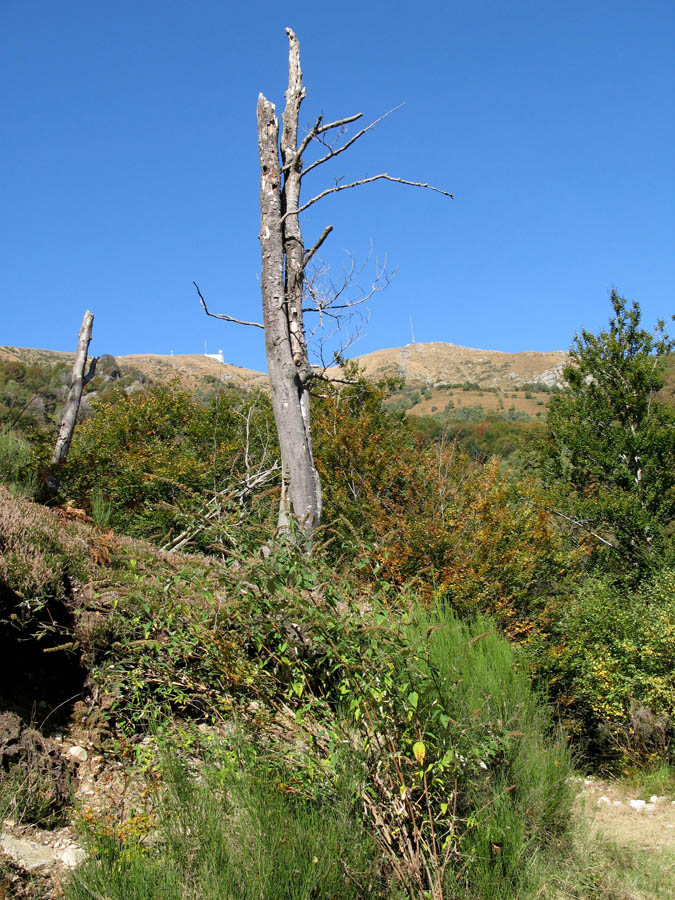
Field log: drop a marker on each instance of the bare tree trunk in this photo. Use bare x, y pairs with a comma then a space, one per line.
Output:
72, 404
282, 294
284, 260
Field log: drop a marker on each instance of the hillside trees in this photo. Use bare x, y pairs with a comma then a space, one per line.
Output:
611, 442
286, 290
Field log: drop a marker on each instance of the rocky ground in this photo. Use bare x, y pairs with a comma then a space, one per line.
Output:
35, 861
628, 817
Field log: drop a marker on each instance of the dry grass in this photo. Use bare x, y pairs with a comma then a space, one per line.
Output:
437, 361
35, 549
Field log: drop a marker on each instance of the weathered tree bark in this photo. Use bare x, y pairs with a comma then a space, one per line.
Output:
284, 261
283, 252
72, 404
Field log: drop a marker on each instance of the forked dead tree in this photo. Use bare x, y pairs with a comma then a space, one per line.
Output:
72, 405
284, 261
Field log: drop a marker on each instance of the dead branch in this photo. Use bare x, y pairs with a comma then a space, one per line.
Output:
333, 153
383, 176
310, 253
318, 128
580, 524
250, 482
223, 316
325, 297
92, 371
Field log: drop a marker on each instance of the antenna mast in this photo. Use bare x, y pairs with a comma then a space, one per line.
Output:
412, 333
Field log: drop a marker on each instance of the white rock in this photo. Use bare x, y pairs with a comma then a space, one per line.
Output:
72, 857
653, 799
639, 805
79, 753
28, 855
649, 807
603, 800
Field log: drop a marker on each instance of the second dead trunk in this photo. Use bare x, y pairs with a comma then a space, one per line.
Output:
72, 405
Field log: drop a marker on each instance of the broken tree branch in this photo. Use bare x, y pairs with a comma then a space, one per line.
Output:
223, 316
580, 524
332, 153
383, 176
310, 253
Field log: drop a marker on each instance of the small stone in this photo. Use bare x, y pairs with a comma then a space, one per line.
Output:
649, 807
638, 805
73, 857
653, 799
28, 855
603, 800
79, 753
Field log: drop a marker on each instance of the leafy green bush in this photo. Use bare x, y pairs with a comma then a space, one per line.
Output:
607, 657
168, 464
460, 777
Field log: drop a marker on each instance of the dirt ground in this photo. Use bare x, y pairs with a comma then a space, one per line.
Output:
647, 824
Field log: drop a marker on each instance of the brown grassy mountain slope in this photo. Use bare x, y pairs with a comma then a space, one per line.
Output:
435, 374
440, 362
192, 370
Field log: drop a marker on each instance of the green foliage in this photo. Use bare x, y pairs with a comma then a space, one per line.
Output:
607, 658
31, 395
101, 509
363, 450
165, 463
169, 645
443, 730
611, 443
18, 463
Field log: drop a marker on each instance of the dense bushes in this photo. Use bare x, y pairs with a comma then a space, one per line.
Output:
167, 463
420, 733
607, 659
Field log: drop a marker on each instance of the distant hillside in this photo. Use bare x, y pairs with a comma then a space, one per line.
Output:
448, 381
437, 362
439, 379
192, 370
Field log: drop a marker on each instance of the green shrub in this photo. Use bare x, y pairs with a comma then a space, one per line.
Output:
608, 659
460, 775
18, 465
160, 457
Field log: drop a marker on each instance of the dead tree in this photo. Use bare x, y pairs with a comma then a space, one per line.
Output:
72, 405
284, 261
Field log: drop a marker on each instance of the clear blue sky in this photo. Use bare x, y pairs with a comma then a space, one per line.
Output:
129, 165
